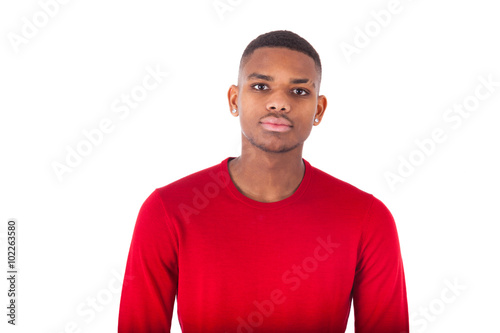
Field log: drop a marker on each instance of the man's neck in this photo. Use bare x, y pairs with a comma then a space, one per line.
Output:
267, 177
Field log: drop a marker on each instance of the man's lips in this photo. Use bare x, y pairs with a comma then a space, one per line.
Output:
276, 121
275, 124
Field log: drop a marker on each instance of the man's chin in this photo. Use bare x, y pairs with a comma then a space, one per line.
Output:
274, 148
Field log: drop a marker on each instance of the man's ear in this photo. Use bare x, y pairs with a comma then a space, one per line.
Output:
232, 98
320, 109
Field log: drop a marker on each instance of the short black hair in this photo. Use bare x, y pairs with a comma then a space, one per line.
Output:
282, 38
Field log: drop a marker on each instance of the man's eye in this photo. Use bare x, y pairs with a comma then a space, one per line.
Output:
301, 92
260, 86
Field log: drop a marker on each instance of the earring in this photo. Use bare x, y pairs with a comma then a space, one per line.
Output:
316, 120
234, 111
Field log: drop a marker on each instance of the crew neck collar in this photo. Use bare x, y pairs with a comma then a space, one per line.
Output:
224, 168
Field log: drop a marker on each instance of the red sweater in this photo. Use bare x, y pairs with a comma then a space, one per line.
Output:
238, 265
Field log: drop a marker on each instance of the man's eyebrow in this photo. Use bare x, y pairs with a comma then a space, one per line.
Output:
270, 79
260, 76
296, 81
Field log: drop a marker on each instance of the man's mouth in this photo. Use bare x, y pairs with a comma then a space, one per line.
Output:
276, 124
276, 121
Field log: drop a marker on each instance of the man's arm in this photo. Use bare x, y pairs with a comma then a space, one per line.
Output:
379, 290
151, 275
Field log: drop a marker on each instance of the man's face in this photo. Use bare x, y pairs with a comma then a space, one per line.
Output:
277, 85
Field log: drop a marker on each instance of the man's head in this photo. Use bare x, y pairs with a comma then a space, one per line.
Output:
278, 81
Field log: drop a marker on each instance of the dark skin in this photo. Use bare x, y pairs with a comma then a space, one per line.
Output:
284, 83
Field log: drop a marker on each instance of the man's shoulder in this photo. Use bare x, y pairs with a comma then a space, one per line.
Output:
341, 194
328, 184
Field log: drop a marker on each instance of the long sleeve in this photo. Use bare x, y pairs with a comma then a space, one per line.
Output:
379, 290
151, 275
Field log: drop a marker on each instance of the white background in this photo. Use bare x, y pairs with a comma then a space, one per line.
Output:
74, 233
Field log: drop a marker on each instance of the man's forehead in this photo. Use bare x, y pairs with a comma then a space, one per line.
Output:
272, 61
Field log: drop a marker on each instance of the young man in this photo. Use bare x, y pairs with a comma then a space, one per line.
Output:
265, 242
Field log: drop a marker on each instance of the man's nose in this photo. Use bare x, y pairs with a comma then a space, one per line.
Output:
278, 102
